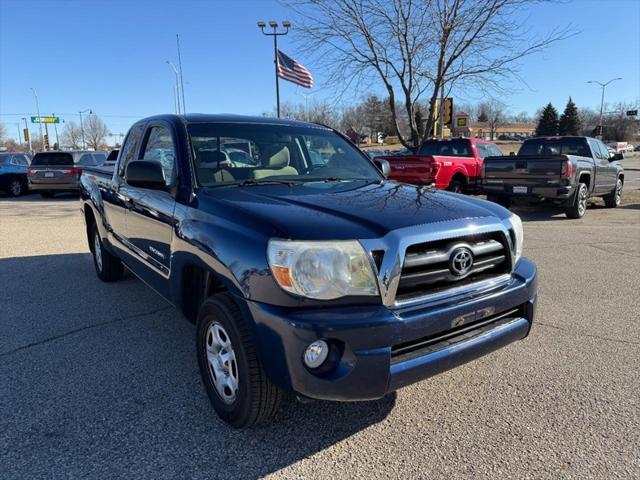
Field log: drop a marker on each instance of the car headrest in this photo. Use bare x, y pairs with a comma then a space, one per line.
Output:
212, 156
278, 157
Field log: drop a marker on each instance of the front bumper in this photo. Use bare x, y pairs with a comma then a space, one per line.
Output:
383, 349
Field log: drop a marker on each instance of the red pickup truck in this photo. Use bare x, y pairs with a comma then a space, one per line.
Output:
454, 164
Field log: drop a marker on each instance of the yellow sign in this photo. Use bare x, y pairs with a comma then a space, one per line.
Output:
461, 122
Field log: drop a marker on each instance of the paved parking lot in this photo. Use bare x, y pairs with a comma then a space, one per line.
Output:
101, 379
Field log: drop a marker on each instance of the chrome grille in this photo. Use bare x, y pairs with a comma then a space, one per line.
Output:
428, 267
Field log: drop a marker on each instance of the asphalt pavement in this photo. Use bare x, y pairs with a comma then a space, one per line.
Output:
101, 381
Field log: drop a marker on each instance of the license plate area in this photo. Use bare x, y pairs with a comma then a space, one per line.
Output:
49, 174
520, 190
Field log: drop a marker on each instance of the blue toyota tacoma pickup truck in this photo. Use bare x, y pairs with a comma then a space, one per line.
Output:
303, 268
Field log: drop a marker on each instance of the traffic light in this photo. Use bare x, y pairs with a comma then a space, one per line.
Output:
448, 111
598, 130
46, 142
25, 132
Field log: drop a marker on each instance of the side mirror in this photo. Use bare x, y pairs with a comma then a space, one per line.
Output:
145, 174
383, 166
616, 157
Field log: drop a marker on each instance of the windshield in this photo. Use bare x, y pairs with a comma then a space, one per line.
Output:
556, 146
52, 158
227, 154
446, 148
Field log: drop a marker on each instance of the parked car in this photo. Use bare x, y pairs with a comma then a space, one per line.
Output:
453, 164
328, 281
565, 170
59, 171
13, 173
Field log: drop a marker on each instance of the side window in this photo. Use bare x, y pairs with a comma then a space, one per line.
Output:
22, 160
159, 148
130, 147
99, 158
494, 151
482, 151
604, 150
87, 160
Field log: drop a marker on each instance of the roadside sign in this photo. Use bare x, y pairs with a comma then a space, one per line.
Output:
632, 113
45, 119
461, 122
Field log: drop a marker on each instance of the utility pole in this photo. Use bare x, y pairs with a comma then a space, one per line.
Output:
176, 88
441, 112
603, 86
181, 79
19, 137
82, 126
55, 128
273, 24
26, 127
39, 118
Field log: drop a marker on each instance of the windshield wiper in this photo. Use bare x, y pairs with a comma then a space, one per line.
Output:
252, 182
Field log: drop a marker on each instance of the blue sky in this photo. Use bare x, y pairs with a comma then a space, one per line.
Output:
110, 56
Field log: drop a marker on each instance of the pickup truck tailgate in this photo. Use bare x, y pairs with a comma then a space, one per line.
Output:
523, 169
410, 168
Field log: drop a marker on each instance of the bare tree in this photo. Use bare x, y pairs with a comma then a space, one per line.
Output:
95, 132
417, 47
3, 132
72, 135
495, 112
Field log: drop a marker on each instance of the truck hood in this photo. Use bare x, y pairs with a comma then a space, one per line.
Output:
340, 210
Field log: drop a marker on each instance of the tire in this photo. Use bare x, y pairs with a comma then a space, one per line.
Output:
108, 267
46, 194
227, 355
456, 186
614, 198
500, 200
16, 187
578, 204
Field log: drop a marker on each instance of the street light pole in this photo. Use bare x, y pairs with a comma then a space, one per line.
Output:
176, 88
39, 118
603, 85
273, 24
82, 126
19, 137
55, 128
26, 127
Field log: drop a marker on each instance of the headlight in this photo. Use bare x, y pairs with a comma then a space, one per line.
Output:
322, 270
518, 234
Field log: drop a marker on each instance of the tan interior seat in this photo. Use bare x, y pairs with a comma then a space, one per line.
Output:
209, 170
278, 163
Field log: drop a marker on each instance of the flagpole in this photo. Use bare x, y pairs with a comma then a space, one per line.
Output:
275, 61
286, 24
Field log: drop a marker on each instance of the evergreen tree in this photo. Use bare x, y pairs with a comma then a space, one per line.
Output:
482, 116
548, 122
569, 120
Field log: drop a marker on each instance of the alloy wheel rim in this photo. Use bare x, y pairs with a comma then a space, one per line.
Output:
15, 188
97, 252
221, 362
582, 202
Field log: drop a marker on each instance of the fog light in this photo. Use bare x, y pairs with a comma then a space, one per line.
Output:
316, 353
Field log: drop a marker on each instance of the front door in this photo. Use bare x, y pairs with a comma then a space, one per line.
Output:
150, 218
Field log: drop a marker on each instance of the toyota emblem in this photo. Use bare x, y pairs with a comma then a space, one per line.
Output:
461, 261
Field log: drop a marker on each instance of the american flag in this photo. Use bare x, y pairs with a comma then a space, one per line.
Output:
294, 72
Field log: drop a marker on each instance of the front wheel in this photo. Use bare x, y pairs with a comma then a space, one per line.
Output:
577, 206
614, 198
232, 374
109, 268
